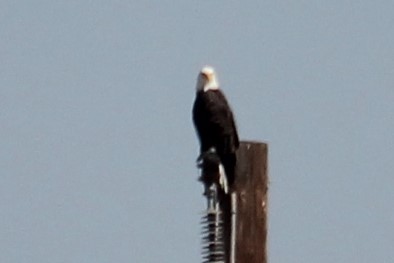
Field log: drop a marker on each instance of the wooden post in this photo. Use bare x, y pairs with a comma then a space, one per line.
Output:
251, 197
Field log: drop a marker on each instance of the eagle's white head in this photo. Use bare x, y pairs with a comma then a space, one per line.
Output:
207, 79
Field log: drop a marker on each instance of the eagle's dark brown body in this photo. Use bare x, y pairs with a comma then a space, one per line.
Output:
215, 127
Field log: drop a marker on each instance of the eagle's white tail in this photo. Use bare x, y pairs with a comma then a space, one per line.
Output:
223, 178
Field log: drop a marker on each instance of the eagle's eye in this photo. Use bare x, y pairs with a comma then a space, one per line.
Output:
204, 76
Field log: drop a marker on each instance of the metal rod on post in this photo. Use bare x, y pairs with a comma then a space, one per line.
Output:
251, 196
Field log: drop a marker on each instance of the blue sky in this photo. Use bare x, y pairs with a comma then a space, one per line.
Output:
97, 146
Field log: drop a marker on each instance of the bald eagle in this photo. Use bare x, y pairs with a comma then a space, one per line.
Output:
214, 122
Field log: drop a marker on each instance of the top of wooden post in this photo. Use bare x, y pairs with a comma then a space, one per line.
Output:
251, 189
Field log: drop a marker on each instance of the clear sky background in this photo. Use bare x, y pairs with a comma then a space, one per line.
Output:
97, 147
